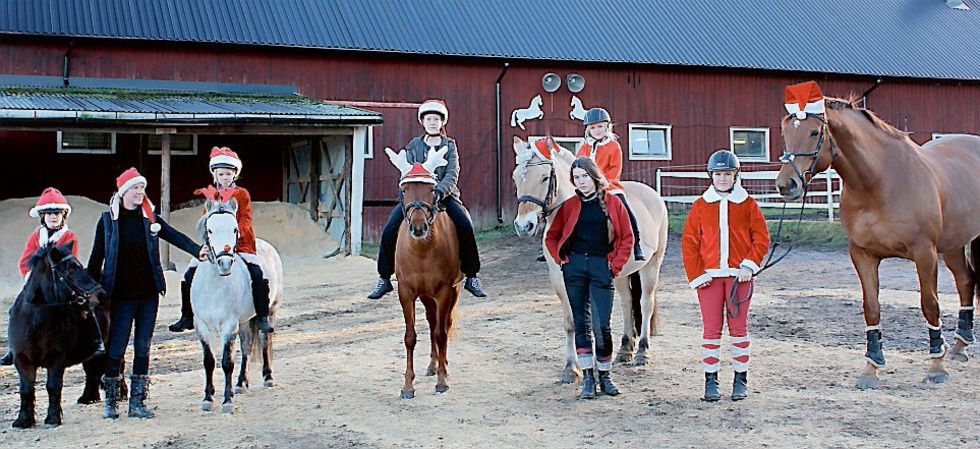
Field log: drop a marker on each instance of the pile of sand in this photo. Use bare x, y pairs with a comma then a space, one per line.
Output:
286, 226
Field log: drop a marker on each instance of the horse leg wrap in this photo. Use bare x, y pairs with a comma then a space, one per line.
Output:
964, 327
874, 355
937, 344
111, 386
137, 397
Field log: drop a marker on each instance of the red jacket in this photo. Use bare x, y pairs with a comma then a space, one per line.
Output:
62, 236
723, 234
246, 237
608, 156
563, 223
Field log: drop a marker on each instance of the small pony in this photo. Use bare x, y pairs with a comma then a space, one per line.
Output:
221, 296
47, 330
426, 265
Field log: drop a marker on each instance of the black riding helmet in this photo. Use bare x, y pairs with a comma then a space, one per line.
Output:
596, 115
722, 160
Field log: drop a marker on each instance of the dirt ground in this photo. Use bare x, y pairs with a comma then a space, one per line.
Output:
340, 358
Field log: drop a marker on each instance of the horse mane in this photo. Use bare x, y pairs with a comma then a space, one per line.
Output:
850, 103
39, 260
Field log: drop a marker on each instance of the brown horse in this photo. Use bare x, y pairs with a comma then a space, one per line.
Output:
898, 200
426, 265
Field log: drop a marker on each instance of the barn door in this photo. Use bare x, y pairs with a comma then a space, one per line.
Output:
319, 175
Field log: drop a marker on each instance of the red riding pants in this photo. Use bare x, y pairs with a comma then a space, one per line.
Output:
715, 306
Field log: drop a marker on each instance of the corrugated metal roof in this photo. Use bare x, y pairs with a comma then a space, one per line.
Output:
900, 38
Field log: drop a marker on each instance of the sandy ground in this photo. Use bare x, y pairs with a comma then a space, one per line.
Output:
340, 358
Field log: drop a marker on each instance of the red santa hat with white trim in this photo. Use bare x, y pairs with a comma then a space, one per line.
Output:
50, 200
126, 181
418, 173
804, 98
223, 157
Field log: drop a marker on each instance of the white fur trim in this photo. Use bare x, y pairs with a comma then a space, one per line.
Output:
700, 280
963, 340
816, 107
585, 361
603, 366
130, 183
35, 211
155, 227
941, 354
874, 363
225, 159
750, 265
724, 232
737, 196
966, 307
876, 327
935, 328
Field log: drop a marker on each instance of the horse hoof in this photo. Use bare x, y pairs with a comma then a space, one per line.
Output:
240, 390
641, 360
442, 388
207, 406
269, 383
408, 394
624, 358
430, 372
89, 400
23, 424
935, 378
868, 382
51, 425
228, 408
959, 356
569, 378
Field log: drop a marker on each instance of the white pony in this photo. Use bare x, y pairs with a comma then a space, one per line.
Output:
221, 296
543, 183
533, 111
578, 111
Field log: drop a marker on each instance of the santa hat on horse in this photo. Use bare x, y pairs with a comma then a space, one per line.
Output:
127, 180
804, 98
51, 201
223, 157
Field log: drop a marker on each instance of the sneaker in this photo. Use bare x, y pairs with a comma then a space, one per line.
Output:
183, 324
475, 287
384, 286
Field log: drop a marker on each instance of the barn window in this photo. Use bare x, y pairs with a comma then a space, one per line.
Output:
86, 142
568, 143
650, 142
180, 144
750, 144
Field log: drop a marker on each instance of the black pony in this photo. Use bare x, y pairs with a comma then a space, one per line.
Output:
50, 328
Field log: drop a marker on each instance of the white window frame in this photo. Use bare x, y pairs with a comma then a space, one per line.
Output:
63, 150
731, 143
575, 141
667, 129
369, 143
173, 152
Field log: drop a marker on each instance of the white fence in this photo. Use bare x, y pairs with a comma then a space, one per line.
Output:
823, 192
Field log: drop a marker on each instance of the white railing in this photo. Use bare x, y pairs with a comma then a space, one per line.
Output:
759, 184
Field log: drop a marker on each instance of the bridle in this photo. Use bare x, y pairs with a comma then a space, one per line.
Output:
429, 210
59, 278
549, 197
788, 157
212, 256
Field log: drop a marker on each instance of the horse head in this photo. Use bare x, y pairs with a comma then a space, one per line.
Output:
808, 145
55, 270
417, 189
540, 185
219, 230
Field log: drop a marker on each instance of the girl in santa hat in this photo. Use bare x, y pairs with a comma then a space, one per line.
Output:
602, 146
126, 261
433, 116
226, 167
52, 210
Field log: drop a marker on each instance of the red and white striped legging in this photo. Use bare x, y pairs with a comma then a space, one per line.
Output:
714, 305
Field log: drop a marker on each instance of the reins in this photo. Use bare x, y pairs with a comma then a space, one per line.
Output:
212, 257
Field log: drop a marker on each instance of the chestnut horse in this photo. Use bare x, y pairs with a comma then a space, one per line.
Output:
898, 200
543, 183
426, 265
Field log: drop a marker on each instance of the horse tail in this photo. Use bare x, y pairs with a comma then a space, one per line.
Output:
636, 292
513, 118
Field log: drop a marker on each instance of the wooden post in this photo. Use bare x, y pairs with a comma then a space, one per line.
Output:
315, 179
165, 192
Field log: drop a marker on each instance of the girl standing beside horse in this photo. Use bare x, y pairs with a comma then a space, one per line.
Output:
126, 261
433, 115
590, 237
724, 241
226, 167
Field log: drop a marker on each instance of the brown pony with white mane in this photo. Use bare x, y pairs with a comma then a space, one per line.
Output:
899, 200
426, 264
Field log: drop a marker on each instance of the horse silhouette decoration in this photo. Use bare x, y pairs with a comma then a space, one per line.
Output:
221, 296
532, 112
899, 200
578, 111
543, 183
426, 265
49, 328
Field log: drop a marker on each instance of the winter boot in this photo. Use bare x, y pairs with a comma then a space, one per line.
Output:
111, 387
711, 388
186, 321
383, 288
137, 396
606, 384
740, 387
8, 359
260, 297
588, 384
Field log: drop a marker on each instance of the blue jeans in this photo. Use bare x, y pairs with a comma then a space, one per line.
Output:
589, 283
124, 315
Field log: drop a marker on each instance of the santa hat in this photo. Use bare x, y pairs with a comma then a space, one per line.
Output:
804, 98
126, 181
418, 173
434, 106
51, 199
541, 145
224, 157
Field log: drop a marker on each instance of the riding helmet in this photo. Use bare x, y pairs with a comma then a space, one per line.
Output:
434, 107
722, 160
596, 115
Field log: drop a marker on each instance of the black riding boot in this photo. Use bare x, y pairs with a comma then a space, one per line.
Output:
588, 384
186, 321
260, 297
740, 386
606, 384
8, 359
137, 397
711, 388
111, 387
97, 341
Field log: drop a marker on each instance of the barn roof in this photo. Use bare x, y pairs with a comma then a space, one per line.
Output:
896, 38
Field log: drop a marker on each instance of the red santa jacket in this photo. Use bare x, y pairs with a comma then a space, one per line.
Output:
246, 235
563, 223
62, 236
608, 156
723, 234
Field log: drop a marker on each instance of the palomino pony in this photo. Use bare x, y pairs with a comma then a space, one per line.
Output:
426, 265
221, 296
47, 330
899, 200
543, 183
